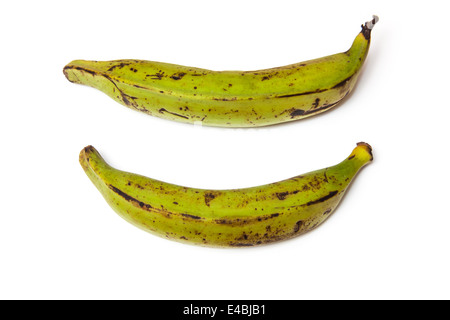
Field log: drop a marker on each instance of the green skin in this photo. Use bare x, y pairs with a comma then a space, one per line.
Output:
225, 218
227, 98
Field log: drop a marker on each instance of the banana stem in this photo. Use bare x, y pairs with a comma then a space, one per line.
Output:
368, 26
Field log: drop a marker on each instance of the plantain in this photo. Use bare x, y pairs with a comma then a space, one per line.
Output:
228, 98
225, 218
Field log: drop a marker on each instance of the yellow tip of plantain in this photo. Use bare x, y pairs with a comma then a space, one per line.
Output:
363, 152
84, 156
73, 69
89, 156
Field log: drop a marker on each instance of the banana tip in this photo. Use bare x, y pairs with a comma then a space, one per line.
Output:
84, 156
368, 26
88, 149
68, 74
73, 69
366, 147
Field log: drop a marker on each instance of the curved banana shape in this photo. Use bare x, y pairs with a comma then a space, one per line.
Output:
228, 98
225, 218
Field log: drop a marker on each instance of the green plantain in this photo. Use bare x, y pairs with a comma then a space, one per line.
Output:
225, 218
228, 98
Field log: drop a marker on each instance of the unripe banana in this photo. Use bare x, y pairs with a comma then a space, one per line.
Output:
228, 98
225, 218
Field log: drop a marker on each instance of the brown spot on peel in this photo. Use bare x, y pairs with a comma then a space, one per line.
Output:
282, 195
297, 112
316, 103
178, 76
298, 226
209, 196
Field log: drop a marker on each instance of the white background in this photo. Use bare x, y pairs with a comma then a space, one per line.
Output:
389, 238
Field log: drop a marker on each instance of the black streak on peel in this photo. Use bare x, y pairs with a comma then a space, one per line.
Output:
328, 196
162, 110
343, 82
125, 98
301, 94
299, 112
239, 221
143, 205
120, 65
190, 216
129, 198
